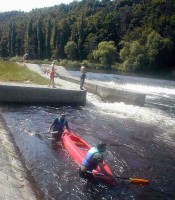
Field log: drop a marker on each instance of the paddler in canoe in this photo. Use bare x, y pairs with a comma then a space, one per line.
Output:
93, 158
58, 125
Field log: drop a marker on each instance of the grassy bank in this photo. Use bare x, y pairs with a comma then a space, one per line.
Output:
12, 72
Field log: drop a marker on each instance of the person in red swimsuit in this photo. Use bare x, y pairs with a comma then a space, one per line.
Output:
52, 74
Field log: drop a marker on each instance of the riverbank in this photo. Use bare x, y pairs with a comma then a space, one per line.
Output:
15, 181
15, 72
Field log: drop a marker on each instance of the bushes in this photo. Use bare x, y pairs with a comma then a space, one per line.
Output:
87, 64
70, 64
16, 59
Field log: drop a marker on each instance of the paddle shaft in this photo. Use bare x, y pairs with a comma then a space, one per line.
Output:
101, 174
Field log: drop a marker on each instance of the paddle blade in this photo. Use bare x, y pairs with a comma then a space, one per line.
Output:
138, 181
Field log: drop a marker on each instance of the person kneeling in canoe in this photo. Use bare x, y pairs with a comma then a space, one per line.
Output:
58, 125
93, 158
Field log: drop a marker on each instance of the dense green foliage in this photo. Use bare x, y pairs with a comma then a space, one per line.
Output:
129, 35
106, 53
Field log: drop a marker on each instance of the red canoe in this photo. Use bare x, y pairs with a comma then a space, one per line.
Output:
78, 148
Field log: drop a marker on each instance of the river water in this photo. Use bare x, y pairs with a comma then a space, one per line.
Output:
141, 142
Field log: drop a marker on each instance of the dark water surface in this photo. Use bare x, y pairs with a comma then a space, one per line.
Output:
141, 142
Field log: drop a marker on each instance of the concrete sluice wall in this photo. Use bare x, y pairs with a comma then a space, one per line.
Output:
16, 181
110, 94
34, 94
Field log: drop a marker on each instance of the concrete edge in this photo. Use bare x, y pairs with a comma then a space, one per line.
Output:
27, 183
116, 95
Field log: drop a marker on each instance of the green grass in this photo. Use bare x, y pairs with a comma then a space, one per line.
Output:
12, 72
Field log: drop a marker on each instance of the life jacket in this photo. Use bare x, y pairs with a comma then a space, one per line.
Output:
87, 161
60, 124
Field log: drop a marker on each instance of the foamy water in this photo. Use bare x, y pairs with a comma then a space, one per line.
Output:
159, 108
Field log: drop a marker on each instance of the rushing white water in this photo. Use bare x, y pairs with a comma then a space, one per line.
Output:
166, 92
159, 109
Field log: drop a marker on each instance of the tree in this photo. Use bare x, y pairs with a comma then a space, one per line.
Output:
133, 56
155, 54
40, 39
159, 50
20, 39
65, 33
106, 53
47, 39
90, 45
54, 41
71, 50
81, 34
3, 47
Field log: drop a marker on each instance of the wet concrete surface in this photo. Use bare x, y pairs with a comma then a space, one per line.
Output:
15, 181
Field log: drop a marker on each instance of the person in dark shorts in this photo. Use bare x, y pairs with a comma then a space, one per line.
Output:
93, 158
82, 77
58, 125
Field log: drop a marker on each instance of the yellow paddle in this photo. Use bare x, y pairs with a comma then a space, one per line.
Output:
137, 181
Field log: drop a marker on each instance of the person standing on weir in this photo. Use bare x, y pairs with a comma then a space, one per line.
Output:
52, 74
25, 57
82, 77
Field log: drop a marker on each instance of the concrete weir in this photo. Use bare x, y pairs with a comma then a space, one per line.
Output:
119, 95
36, 94
110, 94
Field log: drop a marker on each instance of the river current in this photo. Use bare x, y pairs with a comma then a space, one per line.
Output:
141, 142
